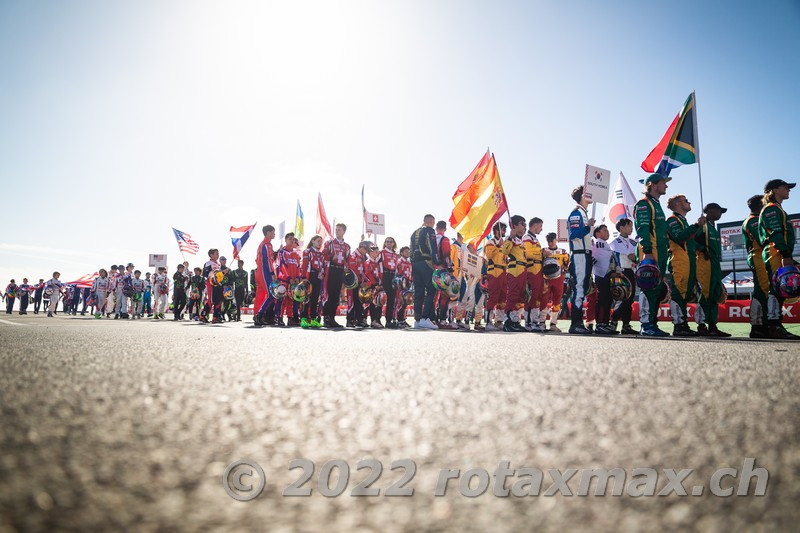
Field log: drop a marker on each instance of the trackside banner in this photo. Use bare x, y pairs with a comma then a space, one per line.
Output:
730, 311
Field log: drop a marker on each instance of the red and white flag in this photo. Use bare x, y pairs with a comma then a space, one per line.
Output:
185, 242
323, 226
84, 282
620, 202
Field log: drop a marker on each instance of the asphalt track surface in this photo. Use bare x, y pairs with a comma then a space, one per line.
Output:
129, 425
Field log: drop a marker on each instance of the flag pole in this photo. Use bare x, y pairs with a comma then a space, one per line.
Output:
697, 148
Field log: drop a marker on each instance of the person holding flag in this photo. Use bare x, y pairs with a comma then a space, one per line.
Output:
651, 227
682, 262
264, 303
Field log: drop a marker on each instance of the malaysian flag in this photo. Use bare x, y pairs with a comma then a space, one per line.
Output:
185, 242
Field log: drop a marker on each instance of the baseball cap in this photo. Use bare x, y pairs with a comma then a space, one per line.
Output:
223, 258
655, 178
714, 205
774, 184
130, 264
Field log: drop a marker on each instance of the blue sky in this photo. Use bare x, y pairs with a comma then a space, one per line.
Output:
119, 120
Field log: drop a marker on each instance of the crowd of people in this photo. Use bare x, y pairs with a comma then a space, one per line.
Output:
522, 284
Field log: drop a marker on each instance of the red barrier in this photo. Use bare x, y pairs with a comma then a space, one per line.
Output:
730, 311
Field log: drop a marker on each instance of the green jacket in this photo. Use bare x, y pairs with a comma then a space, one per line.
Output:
682, 234
752, 241
711, 244
651, 227
775, 231
239, 278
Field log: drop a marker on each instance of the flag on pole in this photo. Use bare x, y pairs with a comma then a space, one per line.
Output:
323, 226
298, 222
185, 242
239, 236
364, 211
478, 171
678, 146
621, 202
480, 206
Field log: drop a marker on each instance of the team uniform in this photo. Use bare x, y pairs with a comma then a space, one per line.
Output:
336, 253
54, 289
682, 264
11, 296
178, 295
777, 235
313, 269
37, 298
373, 275
355, 309
424, 254
709, 274
622, 248
535, 281
651, 227
100, 290
147, 297
443, 250
138, 285
553, 289
389, 261
516, 282
288, 271
264, 303
161, 288
599, 301
122, 287
580, 267
400, 308
755, 260
496, 264
24, 294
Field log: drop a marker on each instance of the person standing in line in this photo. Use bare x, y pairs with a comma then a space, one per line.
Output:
776, 232
533, 251
178, 293
553, 290
355, 307
604, 264
239, 277
54, 287
264, 303
10, 296
137, 283
709, 273
424, 254
100, 290
198, 285
24, 292
161, 288
37, 296
580, 244
496, 265
651, 227
147, 296
516, 275
624, 249
389, 260
404, 272
336, 253
755, 260
682, 262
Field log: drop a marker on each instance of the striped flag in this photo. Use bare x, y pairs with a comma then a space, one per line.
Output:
185, 242
480, 205
299, 222
84, 282
239, 236
323, 226
678, 146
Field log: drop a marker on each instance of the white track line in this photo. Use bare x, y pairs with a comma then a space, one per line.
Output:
13, 323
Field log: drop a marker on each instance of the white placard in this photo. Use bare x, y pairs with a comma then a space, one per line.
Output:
158, 260
471, 264
596, 184
563, 230
376, 224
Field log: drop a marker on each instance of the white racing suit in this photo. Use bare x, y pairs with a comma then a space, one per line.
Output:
160, 294
100, 290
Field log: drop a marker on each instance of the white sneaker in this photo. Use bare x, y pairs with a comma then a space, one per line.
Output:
428, 324
417, 325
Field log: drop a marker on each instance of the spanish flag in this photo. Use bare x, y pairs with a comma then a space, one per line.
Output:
479, 203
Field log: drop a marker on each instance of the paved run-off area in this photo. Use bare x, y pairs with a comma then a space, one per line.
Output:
121, 425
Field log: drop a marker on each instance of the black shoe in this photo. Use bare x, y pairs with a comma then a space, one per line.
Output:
331, 323
391, 324
712, 329
579, 329
50, 314
510, 325
590, 327
683, 330
779, 332
350, 324
628, 330
362, 324
702, 330
605, 329
759, 332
